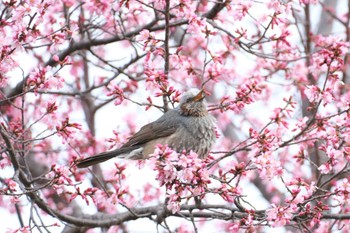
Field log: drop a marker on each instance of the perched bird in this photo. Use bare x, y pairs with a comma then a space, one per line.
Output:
187, 127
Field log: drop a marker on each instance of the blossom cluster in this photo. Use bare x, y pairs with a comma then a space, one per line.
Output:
183, 175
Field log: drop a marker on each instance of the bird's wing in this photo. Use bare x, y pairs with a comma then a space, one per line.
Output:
163, 127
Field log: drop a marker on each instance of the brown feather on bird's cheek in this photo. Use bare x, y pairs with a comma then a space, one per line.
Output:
193, 109
184, 109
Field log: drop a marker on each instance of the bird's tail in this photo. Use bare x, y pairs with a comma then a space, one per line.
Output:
102, 157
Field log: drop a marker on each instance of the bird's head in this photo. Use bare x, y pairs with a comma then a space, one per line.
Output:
192, 103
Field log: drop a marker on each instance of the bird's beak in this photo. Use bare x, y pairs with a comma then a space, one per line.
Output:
199, 96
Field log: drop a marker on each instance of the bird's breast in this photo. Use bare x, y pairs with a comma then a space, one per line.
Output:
196, 134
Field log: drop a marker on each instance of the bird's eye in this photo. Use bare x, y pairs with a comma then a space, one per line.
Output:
189, 99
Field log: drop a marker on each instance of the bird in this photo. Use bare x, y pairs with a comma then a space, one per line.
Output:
187, 127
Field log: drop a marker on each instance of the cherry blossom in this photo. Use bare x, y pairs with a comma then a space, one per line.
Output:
79, 78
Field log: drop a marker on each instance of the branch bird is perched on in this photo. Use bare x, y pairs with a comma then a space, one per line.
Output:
187, 127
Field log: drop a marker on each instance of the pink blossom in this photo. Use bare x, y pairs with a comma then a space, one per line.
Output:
268, 166
325, 168
37, 77
243, 9
275, 5
323, 226
148, 39
55, 82
117, 93
51, 107
343, 190
333, 156
312, 93
178, 173
184, 9
67, 129
144, 35
12, 185
327, 97
196, 24
301, 123
40, 79
278, 216
25, 229
174, 203
234, 227
89, 192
